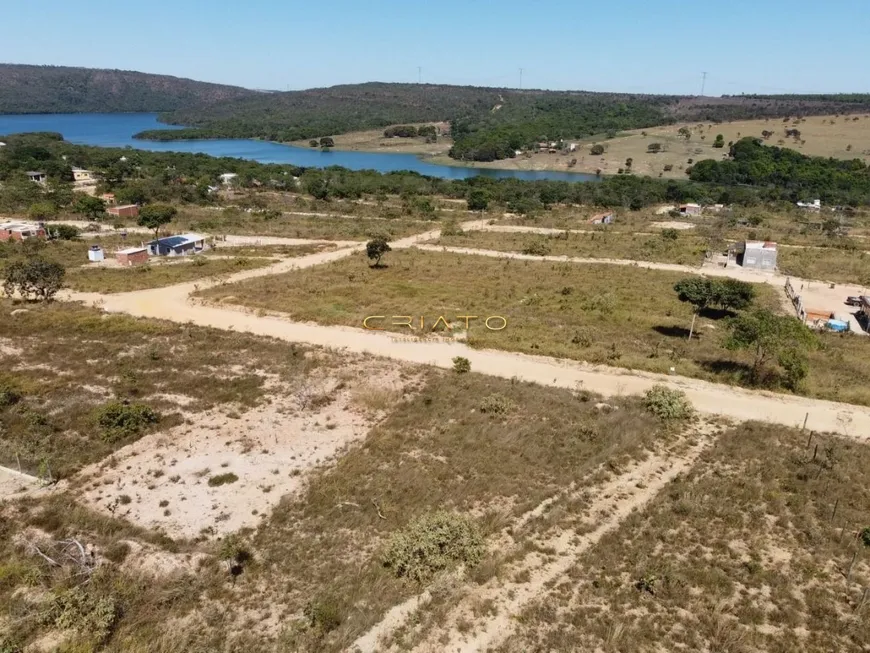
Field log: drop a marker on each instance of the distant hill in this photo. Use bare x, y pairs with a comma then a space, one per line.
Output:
58, 89
486, 123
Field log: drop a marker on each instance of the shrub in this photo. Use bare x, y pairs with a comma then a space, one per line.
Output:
670, 234
34, 279
865, 536
597, 150
117, 552
9, 394
537, 248
121, 419
222, 479
497, 404
434, 543
461, 365
451, 228
668, 167
65, 231
85, 612
667, 403
323, 614
654, 148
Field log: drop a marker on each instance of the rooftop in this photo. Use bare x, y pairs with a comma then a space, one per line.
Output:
760, 244
18, 226
179, 240
130, 250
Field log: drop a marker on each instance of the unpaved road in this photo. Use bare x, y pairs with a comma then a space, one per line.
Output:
174, 304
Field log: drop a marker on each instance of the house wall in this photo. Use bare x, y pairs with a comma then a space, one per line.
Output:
136, 258
123, 211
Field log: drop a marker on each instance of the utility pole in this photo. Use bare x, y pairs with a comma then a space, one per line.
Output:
419, 74
703, 82
521, 77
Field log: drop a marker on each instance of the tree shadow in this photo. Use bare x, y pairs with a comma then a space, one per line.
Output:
379, 266
736, 368
675, 332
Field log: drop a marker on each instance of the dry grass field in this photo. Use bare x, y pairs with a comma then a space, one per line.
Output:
374, 141
615, 315
313, 227
840, 137
156, 275
667, 247
751, 550
311, 576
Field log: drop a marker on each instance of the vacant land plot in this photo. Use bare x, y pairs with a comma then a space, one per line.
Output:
669, 247
459, 445
268, 251
616, 315
156, 275
62, 365
761, 547
828, 264
233, 221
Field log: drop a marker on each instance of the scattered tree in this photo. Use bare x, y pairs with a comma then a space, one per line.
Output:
313, 142
461, 365
685, 132
376, 248
34, 279
327, 142
654, 148
719, 142
597, 150
774, 337
92, 208
702, 292
154, 216
478, 200
668, 404
42, 211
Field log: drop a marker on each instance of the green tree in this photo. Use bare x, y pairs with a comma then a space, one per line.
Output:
154, 216
376, 248
654, 148
318, 188
88, 207
42, 210
478, 200
773, 337
326, 142
597, 150
719, 142
733, 294
34, 279
685, 132
702, 293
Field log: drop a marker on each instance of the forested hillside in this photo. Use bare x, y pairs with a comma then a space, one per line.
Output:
58, 89
487, 123
753, 164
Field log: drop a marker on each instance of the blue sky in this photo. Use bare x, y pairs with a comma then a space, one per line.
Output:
652, 46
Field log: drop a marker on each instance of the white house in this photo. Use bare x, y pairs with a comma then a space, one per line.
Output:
227, 178
815, 205
80, 174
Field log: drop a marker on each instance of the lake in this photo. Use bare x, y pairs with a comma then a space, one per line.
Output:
117, 129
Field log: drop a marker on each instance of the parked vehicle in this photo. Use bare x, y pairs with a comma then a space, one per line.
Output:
853, 301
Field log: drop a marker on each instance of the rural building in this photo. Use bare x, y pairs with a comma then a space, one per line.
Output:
177, 245
37, 177
228, 177
21, 231
132, 256
82, 175
109, 199
95, 254
815, 205
601, 218
126, 211
754, 254
690, 209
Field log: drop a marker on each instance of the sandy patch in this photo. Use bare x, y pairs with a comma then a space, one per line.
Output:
163, 480
672, 224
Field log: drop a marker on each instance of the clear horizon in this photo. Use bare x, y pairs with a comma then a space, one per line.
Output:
767, 46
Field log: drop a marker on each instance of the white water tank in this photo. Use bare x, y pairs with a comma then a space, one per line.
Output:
95, 254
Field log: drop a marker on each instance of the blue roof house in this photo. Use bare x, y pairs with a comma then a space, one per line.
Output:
177, 245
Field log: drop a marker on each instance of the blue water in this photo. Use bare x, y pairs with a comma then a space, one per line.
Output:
117, 129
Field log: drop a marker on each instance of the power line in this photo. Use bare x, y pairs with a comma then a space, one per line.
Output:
521, 77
